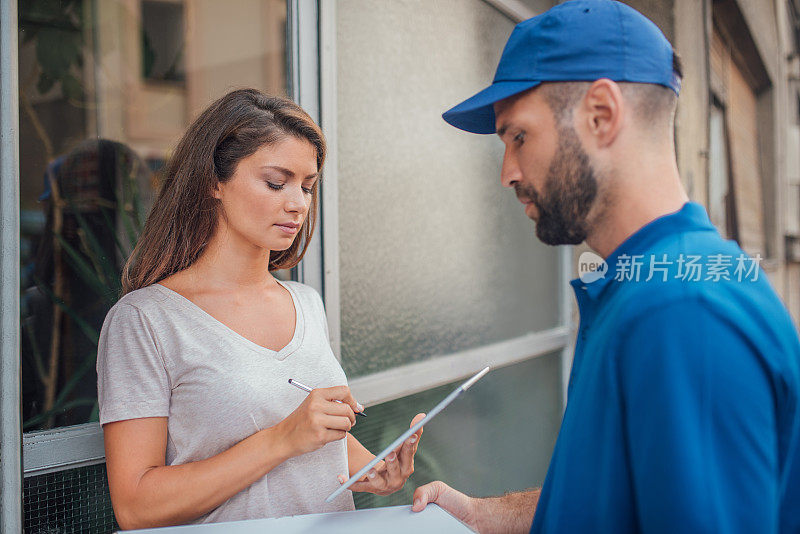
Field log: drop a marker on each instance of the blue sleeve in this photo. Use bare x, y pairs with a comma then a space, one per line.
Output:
699, 422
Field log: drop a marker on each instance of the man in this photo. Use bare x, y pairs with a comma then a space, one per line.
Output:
683, 398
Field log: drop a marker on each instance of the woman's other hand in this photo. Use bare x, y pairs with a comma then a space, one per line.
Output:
391, 474
319, 420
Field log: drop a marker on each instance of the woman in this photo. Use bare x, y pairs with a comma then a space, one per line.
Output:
199, 420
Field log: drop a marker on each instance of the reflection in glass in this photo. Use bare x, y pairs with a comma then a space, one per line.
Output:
105, 89
163, 41
93, 214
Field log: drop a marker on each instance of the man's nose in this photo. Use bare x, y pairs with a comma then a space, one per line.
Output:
510, 173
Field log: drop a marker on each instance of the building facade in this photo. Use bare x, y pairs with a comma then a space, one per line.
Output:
428, 269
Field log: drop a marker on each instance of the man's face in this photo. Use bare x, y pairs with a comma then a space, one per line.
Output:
548, 168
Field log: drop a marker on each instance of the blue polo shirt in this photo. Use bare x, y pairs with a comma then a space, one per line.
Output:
682, 412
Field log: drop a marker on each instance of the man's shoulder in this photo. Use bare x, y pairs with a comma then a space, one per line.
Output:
694, 269
749, 304
715, 285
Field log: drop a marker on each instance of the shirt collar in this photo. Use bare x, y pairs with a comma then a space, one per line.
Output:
692, 216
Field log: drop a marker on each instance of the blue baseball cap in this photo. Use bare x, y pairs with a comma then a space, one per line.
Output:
579, 40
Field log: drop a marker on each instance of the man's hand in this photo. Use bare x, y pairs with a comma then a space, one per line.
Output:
512, 512
391, 474
456, 503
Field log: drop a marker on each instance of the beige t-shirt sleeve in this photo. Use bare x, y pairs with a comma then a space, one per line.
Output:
132, 380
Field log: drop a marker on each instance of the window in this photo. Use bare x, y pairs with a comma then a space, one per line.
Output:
106, 88
740, 108
439, 272
163, 42
721, 203
496, 438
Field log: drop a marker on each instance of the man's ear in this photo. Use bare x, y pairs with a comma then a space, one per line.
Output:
602, 111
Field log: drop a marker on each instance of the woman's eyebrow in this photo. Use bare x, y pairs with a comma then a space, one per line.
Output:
287, 172
282, 170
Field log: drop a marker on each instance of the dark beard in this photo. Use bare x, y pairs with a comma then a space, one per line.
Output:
568, 194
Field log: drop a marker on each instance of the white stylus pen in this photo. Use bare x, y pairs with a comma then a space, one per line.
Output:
307, 389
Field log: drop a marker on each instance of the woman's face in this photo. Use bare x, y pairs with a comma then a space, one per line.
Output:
266, 200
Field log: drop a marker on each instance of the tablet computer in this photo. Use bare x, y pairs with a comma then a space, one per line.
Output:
385, 452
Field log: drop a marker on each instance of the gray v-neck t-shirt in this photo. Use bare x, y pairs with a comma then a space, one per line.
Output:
160, 355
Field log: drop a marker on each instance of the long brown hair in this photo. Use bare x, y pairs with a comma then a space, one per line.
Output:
184, 215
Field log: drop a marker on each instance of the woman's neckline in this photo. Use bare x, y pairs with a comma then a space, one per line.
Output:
288, 349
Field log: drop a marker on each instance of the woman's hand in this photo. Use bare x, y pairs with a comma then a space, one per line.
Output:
319, 420
391, 474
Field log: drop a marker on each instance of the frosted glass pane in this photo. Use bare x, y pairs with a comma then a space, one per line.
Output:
497, 437
435, 255
539, 6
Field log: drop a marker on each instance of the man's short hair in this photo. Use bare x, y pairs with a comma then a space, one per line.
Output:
653, 105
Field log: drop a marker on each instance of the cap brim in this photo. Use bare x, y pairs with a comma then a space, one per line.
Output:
476, 114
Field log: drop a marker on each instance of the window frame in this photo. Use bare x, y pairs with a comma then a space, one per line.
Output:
10, 393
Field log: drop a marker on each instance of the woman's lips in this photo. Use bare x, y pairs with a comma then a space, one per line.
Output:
290, 229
